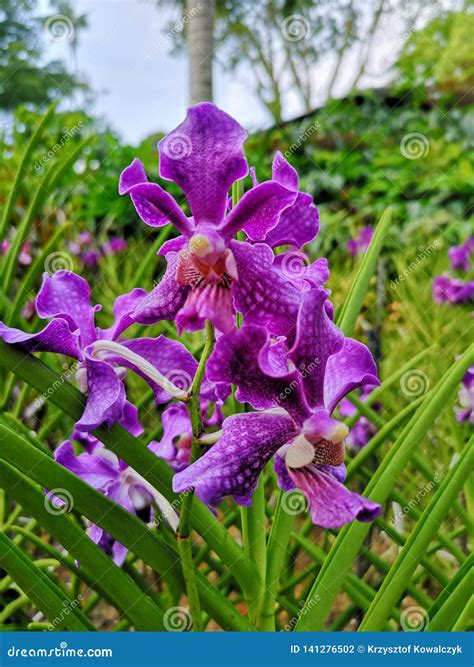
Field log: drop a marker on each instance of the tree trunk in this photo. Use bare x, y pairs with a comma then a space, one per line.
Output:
199, 17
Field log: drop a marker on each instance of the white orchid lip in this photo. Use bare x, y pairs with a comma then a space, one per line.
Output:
109, 346
300, 453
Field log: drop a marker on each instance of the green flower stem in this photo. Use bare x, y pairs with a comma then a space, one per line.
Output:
277, 546
253, 533
128, 448
183, 535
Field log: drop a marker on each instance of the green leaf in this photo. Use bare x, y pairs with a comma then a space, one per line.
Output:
351, 309
424, 532
40, 589
101, 571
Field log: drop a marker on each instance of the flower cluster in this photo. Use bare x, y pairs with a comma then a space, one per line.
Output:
230, 264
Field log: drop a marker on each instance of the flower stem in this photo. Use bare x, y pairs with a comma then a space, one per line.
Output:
277, 546
253, 534
184, 538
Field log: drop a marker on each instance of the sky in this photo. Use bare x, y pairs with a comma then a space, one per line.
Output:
141, 88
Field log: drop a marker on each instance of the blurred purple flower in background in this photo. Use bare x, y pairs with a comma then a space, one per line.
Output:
358, 245
465, 411
453, 290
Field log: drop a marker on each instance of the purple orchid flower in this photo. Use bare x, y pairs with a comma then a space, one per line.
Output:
101, 360
465, 412
115, 246
209, 273
460, 255
359, 244
453, 290
296, 391
363, 429
101, 469
175, 444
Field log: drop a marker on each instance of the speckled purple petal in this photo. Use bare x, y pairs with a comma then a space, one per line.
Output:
170, 357
235, 359
284, 172
157, 208
204, 157
261, 293
124, 306
258, 211
317, 338
165, 300
331, 504
132, 175
232, 466
105, 396
352, 367
298, 224
67, 295
55, 337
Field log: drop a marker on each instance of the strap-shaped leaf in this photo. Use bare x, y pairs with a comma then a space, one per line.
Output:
425, 530
40, 589
109, 579
447, 609
122, 525
353, 303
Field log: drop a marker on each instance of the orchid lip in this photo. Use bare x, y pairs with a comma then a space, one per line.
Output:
145, 366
